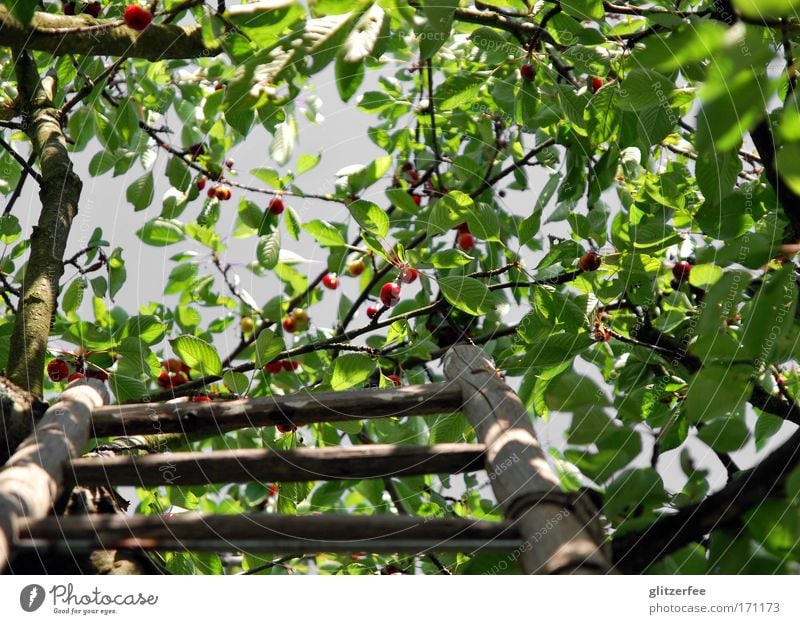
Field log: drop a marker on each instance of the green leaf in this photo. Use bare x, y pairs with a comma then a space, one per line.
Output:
644, 88
127, 388
198, 354
325, 233
483, 222
74, 295
351, 370
306, 162
550, 351
268, 346
23, 10
584, 9
101, 162
283, 141
449, 259
292, 222
161, 232
725, 434
178, 173
370, 217
140, 192
770, 314
449, 211
762, 9
401, 198
458, 91
349, 77
467, 294
268, 250
238, 383
436, 30
268, 176
717, 390
490, 40
116, 272
362, 39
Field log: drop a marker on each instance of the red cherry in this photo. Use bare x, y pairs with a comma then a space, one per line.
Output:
289, 324
417, 199
681, 270
219, 86
273, 367
372, 311
57, 370
390, 294
272, 489
179, 379
330, 281
93, 9
201, 398
528, 72
596, 84
201, 183
229, 163
590, 261
75, 376
466, 241
69, 8
408, 275
172, 365
164, 380
286, 428
276, 206
212, 192
222, 193
137, 18
290, 365
97, 374
395, 379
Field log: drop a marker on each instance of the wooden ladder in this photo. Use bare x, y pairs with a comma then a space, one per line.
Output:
546, 530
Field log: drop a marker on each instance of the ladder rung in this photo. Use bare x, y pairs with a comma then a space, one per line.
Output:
266, 533
300, 409
265, 465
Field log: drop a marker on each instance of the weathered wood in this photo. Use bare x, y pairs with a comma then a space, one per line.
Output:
30, 480
267, 533
300, 409
560, 535
265, 465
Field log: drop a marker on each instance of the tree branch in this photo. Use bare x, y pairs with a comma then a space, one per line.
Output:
637, 551
59, 194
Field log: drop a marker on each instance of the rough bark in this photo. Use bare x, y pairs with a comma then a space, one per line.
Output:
60, 34
59, 193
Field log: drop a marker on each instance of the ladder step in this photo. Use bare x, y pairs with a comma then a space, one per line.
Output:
265, 533
300, 409
372, 461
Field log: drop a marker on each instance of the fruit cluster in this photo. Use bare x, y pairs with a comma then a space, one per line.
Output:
175, 373
59, 370
296, 320
220, 192
89, 8
281, 365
